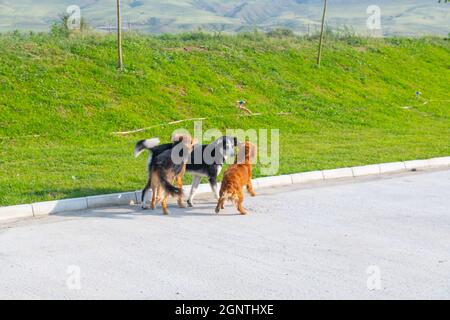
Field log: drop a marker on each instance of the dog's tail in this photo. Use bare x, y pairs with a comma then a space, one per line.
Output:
170, 188
145, 145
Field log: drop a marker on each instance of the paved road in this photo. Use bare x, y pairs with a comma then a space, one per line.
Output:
324, 240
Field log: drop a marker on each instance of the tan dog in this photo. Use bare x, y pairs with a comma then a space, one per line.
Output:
155, 148
238, 176
164, 169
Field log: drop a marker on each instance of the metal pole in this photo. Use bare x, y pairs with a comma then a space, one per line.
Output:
119, 37
319, 56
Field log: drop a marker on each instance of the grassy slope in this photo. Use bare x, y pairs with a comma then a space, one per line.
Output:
60, 99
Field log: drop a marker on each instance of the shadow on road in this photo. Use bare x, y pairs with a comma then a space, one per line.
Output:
204, 209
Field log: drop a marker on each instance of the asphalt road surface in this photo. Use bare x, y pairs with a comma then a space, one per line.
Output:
377, 238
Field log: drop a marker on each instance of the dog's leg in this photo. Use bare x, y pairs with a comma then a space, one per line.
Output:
145, 193
158, 196
164, 204
180, 196
195, 182
220, 204
213, 184
239, 203
154, 197
159, 193
250, 188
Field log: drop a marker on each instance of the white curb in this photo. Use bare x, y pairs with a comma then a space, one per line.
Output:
307, 177
111, 199
126, 198
138, 195
366, 170
57, 206
338, 173
16, 212
392, 167
274, 181
416, 164
439, 162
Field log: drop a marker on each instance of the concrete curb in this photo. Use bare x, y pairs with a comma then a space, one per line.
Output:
392, 167
116, 199
57, 206
127, 198
416, 164
338, 173
275, 181
439, 162
307, 177
16, 212
366, 170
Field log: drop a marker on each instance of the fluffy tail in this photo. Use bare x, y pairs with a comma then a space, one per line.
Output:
145, 145
170, 188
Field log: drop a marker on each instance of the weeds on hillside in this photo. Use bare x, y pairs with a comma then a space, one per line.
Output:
60, 27
61, 97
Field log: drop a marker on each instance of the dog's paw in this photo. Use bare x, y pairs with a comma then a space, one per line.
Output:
190, 204
243, 211
217, 210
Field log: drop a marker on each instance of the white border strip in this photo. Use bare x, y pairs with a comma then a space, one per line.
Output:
126, 198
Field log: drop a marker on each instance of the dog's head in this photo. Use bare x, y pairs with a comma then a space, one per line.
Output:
247, 153
227, 143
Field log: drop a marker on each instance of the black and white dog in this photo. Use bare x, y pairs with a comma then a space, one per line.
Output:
206, 161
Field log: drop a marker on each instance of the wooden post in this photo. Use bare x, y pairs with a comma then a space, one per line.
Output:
319, 56
119, 37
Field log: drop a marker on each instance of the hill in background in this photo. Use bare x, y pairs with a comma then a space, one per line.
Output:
62, 99
402, 17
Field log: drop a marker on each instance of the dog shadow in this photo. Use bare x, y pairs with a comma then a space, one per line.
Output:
202, 210
134, 211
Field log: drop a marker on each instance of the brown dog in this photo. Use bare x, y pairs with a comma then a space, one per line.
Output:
155, 148
238, 176
166, 167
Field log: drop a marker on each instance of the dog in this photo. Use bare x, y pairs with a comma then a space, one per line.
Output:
207, 161
166, 167
155, 148
238, 176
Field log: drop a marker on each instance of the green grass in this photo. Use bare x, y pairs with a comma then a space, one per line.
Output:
61, 99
